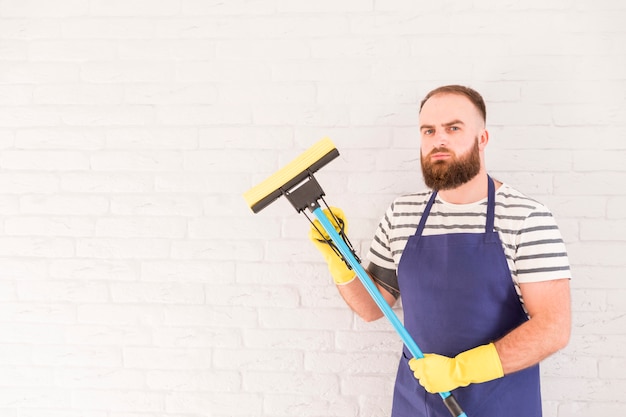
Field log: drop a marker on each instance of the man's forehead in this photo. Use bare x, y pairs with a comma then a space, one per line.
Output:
445, 107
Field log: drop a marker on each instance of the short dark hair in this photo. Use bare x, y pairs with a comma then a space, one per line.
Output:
471, 94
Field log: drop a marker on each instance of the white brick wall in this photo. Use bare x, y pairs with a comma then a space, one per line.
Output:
134, 281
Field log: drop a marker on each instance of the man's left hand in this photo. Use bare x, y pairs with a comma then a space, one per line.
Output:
438, 373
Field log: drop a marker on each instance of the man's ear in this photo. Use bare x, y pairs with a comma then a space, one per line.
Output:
483, 139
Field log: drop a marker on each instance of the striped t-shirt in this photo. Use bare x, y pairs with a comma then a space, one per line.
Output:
532, 243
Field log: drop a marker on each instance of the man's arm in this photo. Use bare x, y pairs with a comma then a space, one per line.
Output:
359, 300
547, 331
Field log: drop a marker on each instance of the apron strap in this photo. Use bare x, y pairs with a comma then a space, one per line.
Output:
420, 226
491, 205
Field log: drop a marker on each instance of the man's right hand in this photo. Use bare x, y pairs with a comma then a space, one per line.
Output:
338, 269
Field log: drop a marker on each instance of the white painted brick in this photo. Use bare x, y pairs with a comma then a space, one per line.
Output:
212, 316
299, 383
603, 230
196, 337
222, 71
155, 205
106, 182
119, 400
217, 250
134, 8
9, 204
224, 161
259, 296
172, 271
77, 356
258, 360
152, 138
578, 408
35, 8
27, 28
188, 93
193, 381
77, 94
218, 183
170, 358
356, 363
157, 293
275, 50
122, 248
93, 269
12, 95
281, 318
59, 291
71, 50
25, 311
126, 72
120, 315
308, 406
589, 184
104, 379
297, 339
38, 247
59, 204
108, 335
34, 398
44, 160
156, 227
122, 28
93, 116
220, 403
39, 73
246, 137
235, 7
326, 6
614, 207
202, 115
59, 139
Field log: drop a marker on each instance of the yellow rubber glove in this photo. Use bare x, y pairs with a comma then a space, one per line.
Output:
438, 373
338, 269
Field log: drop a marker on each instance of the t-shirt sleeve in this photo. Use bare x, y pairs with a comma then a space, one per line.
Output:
540, 253
382, 266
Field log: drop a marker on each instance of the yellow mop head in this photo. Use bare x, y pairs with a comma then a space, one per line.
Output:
263, 194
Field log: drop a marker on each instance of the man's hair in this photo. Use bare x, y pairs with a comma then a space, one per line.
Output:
471, 94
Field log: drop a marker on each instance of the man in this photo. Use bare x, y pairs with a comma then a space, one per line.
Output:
481, 268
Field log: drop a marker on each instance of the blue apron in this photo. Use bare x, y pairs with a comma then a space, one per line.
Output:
457, 293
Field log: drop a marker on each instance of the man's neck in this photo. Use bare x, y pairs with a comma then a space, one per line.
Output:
472, 191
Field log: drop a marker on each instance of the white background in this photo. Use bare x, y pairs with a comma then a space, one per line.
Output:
135, 281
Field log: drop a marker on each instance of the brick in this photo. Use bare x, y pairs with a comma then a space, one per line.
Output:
156, 293
59, 139
134, 8
92, 269
60, 204
34, 8
156, 227
44, 160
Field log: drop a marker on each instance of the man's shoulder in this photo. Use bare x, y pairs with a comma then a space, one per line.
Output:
511, 198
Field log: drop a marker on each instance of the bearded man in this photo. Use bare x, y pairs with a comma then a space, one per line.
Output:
481, 268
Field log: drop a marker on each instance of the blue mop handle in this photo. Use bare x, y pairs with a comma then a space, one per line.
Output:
378, 298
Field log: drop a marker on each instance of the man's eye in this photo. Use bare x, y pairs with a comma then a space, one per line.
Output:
428, 132
454, 128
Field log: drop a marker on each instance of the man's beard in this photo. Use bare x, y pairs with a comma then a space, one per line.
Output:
447, 175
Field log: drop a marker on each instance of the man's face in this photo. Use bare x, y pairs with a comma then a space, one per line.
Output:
451, 129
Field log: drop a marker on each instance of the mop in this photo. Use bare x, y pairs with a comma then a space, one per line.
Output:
296, 182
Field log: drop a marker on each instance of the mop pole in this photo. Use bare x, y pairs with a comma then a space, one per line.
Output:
296, 182
448, 398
